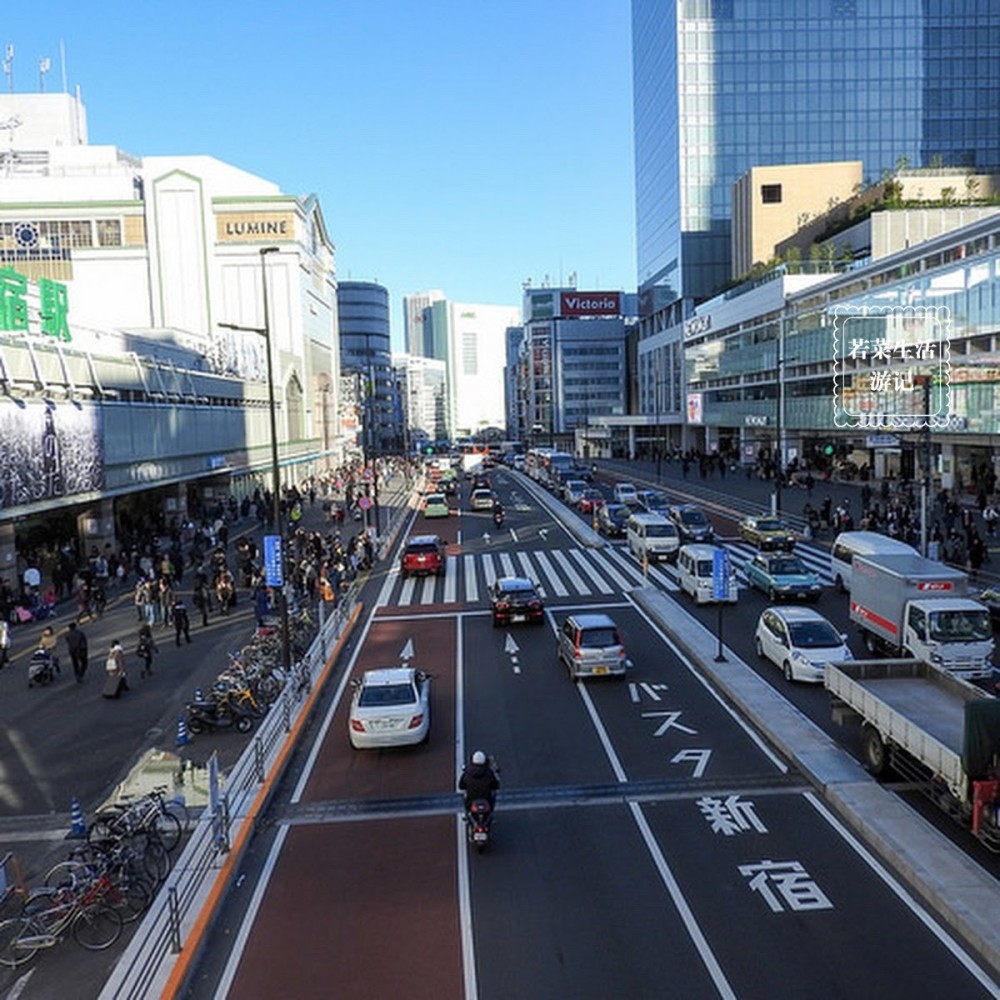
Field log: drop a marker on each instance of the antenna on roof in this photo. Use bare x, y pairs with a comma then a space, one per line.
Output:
44, 65
62, 60
8, 66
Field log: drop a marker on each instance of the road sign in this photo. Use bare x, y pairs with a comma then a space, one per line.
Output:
365, 503
274, 563
720, 575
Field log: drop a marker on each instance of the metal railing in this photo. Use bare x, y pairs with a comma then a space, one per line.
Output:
148, 961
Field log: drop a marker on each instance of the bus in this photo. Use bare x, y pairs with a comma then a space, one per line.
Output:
547, 466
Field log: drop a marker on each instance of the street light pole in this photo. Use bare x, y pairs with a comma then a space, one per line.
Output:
265, 332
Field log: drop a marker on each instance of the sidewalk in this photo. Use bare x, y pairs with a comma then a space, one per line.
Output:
752, 495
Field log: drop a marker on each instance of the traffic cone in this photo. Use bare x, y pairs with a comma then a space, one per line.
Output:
77, 826
183, 736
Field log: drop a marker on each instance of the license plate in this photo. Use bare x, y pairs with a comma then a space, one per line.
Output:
518, 618
600, 670
479, 836
802, 596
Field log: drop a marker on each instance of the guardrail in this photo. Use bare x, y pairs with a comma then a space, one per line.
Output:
183, 907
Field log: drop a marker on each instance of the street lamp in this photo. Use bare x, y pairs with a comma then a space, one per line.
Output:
265, 332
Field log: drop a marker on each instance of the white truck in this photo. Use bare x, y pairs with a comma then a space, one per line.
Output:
929, 726
906, 605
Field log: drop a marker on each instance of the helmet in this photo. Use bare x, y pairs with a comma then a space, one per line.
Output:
479, 757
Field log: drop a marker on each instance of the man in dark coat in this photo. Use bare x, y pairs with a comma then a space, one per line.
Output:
76, 643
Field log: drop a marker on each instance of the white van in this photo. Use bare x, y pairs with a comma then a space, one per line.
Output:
695, 573
849, 544
652, 537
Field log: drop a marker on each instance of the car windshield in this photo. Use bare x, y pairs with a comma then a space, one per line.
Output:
376, 695
705, 567
787, 567
694, 518
814, 635
661, 531
517, 595
435, 499
618, 514
421, 549
766, 524
598, 638
970, 626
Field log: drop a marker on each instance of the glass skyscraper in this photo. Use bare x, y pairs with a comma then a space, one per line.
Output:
721, 86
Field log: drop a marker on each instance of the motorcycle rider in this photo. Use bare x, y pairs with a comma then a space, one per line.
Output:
497, 511
479, 780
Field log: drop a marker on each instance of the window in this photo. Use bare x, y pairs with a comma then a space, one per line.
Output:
770, 194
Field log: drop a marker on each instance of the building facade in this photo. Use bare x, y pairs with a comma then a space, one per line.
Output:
366, 353
883, 369
133, 307
721, 87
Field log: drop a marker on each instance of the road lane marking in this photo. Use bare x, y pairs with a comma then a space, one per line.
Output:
666, 875
461, 849
552, 577
471, 590
571, 574
589, 569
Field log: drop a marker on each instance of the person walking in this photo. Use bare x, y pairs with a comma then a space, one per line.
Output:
116, 680
202, 599
146, 649
76, 643
182, 624
48, 641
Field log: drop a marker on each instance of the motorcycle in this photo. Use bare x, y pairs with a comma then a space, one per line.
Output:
41, 668
217, 713
478, 823
498, 518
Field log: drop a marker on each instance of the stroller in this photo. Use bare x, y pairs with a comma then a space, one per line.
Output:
41, 668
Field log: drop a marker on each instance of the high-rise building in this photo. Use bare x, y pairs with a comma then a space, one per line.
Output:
366, 356
413, 321
722, 86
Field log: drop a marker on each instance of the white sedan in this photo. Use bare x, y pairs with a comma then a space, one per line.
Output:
391, 707
800, 641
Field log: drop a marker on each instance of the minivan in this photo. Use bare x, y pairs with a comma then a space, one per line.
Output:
652, 537
695, 573
590, 646
849, 544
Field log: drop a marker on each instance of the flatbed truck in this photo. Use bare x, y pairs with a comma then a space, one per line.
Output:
930, 727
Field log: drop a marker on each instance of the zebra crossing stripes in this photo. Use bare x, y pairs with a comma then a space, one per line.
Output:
551, 577
471, 590
567, 567
599, 581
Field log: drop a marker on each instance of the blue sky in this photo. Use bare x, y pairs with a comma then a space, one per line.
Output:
460, 146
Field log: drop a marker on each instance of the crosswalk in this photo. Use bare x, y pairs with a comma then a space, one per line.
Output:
561, 573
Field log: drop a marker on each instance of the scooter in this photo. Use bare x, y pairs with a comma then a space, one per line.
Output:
217, 713
41, 668
478, 823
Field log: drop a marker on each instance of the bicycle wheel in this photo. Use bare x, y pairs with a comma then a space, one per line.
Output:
12, 953
67, 874
131, 897
97, 927
155, 860
168, 829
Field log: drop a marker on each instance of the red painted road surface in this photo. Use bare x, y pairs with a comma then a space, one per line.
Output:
369, 909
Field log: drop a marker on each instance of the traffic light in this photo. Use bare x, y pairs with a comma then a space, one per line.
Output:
828, 450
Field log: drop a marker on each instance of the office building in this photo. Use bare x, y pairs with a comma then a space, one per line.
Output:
721, 87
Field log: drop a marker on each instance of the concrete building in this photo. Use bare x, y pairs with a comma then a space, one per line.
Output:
573, 364
470, 339
413, 321
423, 386
119, 272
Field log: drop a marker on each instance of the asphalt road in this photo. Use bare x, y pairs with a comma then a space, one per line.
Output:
721, 876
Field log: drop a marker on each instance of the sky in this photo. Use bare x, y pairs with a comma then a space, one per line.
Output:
464, 147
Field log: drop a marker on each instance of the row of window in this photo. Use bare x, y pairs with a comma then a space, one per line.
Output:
59, 234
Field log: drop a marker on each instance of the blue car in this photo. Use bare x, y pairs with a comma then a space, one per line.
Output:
782, 577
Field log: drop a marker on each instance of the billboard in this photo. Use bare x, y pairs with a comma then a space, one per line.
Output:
573, 304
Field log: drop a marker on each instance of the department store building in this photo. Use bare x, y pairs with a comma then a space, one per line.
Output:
876, 368
126, 392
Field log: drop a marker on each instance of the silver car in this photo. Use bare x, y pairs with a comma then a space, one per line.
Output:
590, 646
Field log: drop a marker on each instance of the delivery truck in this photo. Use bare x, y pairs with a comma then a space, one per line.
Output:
906, 605
931, 728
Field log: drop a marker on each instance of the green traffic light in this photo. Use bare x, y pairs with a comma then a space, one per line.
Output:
828, 450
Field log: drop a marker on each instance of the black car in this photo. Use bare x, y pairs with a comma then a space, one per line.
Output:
611, 519
692, 523
515, 599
